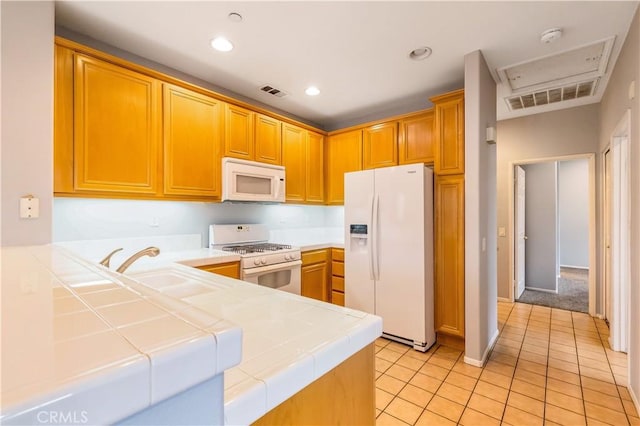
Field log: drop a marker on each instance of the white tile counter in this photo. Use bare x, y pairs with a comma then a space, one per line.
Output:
310, 238
93, 333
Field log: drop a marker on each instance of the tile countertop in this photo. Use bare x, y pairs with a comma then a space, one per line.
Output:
288, 341
73, 332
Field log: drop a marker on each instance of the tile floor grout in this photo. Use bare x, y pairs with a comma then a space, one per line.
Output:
417, 389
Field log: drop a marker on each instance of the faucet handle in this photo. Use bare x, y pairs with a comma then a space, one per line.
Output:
105, 262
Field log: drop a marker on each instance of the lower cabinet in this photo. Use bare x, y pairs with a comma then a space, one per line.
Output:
337, 276
228, 269
315, 274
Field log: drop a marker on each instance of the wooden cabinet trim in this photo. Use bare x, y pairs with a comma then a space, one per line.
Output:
63, 120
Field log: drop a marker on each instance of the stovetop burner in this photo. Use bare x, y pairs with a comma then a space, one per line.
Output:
256, 248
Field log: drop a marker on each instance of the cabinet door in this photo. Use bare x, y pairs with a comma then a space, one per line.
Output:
239, 135
192, 137
315, 169
294, 140
344, 154
449, 255
449, 133
228, 269
116, 129
380, 145
63, 120
315, 279
415, 141
268, 140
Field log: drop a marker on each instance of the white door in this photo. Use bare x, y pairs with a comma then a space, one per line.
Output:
399, 250
520, 235
358, 273
607, 234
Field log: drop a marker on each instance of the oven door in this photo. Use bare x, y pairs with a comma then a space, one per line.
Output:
282, 276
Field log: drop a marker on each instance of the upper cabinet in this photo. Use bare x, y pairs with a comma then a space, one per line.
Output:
192, 137
415, 139
344, 154
252, 136
239, 134
449, 133
116, 135
302, 157
380, 145
268, 139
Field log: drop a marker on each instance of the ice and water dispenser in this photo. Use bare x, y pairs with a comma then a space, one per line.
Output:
359, 234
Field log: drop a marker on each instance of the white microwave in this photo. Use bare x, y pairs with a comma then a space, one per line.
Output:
244, 180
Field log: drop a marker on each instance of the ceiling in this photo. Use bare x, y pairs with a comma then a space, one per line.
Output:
356, 53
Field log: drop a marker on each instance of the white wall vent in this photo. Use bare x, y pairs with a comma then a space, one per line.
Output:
273, 91
553, 95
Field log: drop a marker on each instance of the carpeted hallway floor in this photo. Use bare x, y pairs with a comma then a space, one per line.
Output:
573, 292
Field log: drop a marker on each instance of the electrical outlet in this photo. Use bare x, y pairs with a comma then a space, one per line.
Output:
29, 207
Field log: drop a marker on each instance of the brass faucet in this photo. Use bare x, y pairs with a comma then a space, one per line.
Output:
149, 251
107, 259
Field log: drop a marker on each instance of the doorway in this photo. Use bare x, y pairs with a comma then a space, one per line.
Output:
616, 246
552, 215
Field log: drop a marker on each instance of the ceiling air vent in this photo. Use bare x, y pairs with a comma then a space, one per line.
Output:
553, 95
273, 91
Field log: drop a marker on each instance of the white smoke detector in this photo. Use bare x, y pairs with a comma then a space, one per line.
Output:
551, 35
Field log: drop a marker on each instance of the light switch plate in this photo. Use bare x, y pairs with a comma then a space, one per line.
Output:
29, 207
502, 232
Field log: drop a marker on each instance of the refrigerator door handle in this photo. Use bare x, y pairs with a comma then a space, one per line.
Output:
374, 235
371, 272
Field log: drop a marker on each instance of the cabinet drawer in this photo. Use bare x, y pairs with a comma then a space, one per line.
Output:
315, 256
337, 254
337, 268
337, 283
229, 269
337, 298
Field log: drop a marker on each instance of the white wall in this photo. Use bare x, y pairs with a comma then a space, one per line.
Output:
89, 219
573, 213
541, 214
481, 318
27, 118
553, 134
613, 106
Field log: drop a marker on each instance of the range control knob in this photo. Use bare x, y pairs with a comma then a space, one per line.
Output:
256, 262
287, 257
263, 261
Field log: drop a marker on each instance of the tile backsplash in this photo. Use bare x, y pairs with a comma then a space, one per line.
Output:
91, 219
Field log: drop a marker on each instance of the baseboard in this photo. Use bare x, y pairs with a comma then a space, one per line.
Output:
481, 362
505, 299
544, 290
586, 268
600, 316
634, 398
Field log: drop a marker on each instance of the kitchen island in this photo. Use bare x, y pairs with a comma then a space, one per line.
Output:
133, 348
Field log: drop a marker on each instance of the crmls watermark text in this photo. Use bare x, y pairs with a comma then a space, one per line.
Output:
63, 417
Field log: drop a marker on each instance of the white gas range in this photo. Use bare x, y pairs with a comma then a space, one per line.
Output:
263, 263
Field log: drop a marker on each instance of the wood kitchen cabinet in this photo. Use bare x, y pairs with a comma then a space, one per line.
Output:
415, 139
294, 140
337, 276
252, 136
228, 269
380, 145
315, 274
192, 137
302, 157
343, 154
116, 129
449, 133
449, 255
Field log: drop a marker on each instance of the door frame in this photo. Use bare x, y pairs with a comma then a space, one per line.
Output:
519, 215
618, 295
593, 267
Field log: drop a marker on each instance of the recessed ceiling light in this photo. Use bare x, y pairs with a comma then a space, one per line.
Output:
221, 44
235, 17
312, 91
420, 53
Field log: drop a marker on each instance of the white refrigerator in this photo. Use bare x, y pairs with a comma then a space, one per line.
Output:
389, 250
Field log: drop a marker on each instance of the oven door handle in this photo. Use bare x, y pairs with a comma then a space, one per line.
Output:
271, 268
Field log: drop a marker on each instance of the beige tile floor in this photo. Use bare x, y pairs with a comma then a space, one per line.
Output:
549, 366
